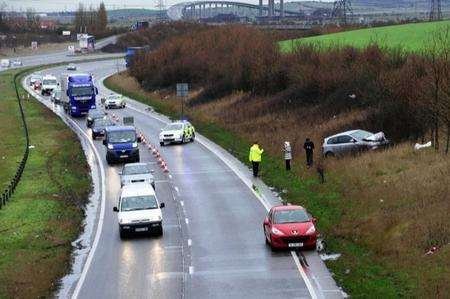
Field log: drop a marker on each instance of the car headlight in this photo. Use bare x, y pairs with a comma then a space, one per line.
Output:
124, 221
93, 107
277, 232
311, 230
135, 144
110, 146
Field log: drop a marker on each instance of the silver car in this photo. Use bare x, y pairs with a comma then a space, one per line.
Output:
136, 173
352, 142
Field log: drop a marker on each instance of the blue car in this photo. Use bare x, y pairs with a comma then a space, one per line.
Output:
121, 144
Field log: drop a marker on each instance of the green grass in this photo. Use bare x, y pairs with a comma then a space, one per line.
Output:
357, 271
410, 37
45, 213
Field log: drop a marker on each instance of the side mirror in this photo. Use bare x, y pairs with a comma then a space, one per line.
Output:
266, 221
314, 220
162, 205
104, 141
161, 130
96, 90
115, 209
67, 93
354, 140
139, 139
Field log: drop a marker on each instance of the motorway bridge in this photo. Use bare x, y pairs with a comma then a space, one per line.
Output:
207, 9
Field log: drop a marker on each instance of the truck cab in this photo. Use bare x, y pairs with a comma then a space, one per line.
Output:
121, 144
78, 94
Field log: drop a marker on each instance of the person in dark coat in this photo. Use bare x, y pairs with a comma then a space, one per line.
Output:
309, 149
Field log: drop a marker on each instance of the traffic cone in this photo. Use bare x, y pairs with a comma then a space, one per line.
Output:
165, 170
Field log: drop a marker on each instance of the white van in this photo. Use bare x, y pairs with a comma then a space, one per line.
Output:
139, 210
49, 83
5, 63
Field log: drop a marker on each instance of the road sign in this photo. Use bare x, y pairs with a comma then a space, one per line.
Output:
66, 33
182, 89
128, 121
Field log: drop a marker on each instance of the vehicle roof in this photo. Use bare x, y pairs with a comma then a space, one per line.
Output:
137, 189
49, 76
287, 208
345, 133
120, 128
100, 120
136, 164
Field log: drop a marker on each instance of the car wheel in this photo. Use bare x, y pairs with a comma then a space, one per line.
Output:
329, 155
153, 185
122, 234
161, 143
108, 160
160, 231
93, 136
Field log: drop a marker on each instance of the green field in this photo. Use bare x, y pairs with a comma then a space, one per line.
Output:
45, 213
410, 37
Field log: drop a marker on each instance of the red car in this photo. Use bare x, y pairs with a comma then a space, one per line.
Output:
290, 227
37, 85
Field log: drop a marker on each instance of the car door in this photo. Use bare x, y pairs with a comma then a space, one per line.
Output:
346, 144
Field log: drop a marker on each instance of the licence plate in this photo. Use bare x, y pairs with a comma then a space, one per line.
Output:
141, 229
124, 156
295, 244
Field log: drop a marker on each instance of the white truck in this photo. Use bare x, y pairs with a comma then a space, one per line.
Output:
49, 83
5, 63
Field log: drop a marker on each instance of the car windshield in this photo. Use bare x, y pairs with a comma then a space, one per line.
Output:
101, 122
49, 82
113, 97
135, 169
173, 127
121, 136
360, 134
134, 203
290, 216
82, 91
57, 93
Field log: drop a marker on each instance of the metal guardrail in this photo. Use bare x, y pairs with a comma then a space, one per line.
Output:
9, 191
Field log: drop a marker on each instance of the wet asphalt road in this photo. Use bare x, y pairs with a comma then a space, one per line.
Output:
213, 245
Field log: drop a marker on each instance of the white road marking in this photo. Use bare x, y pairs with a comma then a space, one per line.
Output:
102, 206
304, 276
177, 190
191, 270
186, 220
170, 176
189, 242
182, 203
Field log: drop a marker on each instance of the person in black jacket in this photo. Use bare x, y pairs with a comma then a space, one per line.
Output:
309, 149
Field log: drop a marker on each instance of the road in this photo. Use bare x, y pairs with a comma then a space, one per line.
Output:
213, 245
50, 58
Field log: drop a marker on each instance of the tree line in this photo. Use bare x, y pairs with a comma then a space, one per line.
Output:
91, 20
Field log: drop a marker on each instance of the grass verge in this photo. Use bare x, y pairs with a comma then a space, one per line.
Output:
363, 271
413, 37
44, 216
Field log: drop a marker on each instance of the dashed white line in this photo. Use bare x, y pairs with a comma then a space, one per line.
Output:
177, 190
189, 242
182, 203
186, 220
191, 270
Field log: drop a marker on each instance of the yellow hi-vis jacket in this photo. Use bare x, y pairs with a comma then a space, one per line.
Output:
255, 153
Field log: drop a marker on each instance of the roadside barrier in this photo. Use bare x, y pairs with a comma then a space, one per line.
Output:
9, 191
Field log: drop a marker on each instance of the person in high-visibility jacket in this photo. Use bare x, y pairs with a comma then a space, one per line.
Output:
255, 157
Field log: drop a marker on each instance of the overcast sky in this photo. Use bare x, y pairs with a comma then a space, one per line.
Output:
59, 5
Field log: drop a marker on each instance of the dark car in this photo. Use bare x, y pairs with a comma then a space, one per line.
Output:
94, 114
99, 127
121, 144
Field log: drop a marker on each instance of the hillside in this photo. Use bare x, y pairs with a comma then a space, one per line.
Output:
411, 37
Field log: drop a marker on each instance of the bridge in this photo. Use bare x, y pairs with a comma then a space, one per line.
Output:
207, 9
